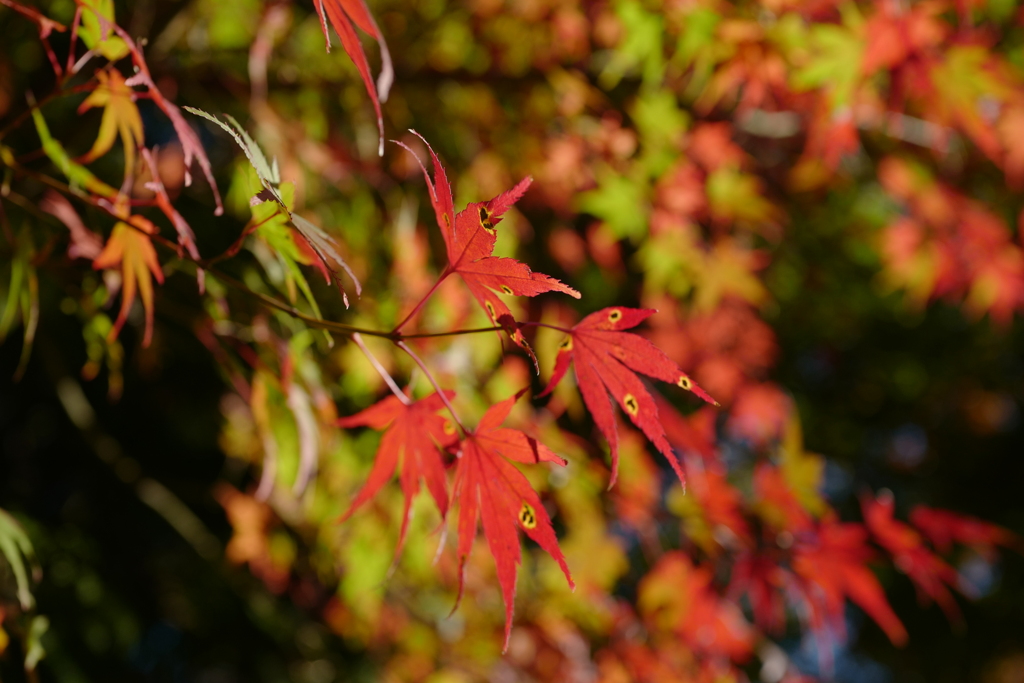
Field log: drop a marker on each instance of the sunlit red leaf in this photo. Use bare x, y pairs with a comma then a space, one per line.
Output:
342, 15
606, 360
410, 445
489, 487
469, 238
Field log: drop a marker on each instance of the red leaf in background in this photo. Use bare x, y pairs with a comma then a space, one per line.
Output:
760, 413
762, 579
252, 522
469, 238
186, 238
490, 487
833, 567
414, 434
711, 146
719, 501
942, 528
694, 433
930, 574
637, 498
84, 242
777, 503
190, 145
606, 360
679, 596
342, 14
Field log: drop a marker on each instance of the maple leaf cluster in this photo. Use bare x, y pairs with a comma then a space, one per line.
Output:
679, 153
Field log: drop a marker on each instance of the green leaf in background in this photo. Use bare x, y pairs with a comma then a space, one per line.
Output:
22, 297
16, 549
93, 34
834, 63
736, 196
78, 175
620, 202
34, 651
661, 123
641, 50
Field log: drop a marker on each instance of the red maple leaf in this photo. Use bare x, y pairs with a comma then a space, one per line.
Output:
760, 577
415, 432
930, 574
777, 503
832, 566
488, 486
679, 597
343, 14
606, 361
943, 528
469, 238
719, 502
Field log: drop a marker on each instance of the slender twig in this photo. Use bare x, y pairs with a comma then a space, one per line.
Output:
74, 39
451, 333
312, 321
423, 366
530, 323
422, 301
340, 328
357, 339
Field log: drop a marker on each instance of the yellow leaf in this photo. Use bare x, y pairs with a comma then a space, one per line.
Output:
120, 115
130, 247
96, 31
729, 270
802, 471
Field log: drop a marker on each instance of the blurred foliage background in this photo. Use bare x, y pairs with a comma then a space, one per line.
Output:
820, 197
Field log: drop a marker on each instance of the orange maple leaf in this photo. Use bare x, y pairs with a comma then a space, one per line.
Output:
120, 116
129, 246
